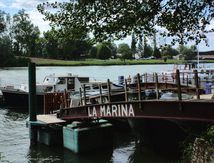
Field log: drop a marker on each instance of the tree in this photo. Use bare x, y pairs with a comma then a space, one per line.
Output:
5, 41
93, 52
125, 51
186, 20
103, 51
187, 53
133, 43
140, 45
147, 48
169, 52
156, 53
51, 45
25, 34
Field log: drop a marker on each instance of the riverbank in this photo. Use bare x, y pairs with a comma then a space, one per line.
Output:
97, 62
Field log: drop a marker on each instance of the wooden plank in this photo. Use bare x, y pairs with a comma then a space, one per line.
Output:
49, 119
205, 96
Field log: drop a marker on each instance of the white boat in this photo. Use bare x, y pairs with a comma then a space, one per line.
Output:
18, 96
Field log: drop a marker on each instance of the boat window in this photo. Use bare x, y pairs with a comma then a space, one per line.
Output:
95, 86
48, 89
104, 86
70, 80
87, 87
61, 81
202, 71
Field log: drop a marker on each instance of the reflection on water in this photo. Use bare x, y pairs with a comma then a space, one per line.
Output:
14, 146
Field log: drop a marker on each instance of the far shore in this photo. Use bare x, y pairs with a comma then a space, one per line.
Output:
97, 62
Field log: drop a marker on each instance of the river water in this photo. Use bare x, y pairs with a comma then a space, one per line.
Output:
14, 140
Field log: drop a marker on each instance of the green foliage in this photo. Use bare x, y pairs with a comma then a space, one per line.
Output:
25, 34
103, 51
6, 51
133, 43
148, 51
93, 52
187, 53
187, 20
157, 53
125, 51
169, 52
209, 135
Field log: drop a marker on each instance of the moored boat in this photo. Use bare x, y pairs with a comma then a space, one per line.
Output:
18, 96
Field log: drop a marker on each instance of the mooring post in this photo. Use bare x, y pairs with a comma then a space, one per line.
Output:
126, 93
197, 84
32, 102
187, 80
183, 77
101, 98
178, 84
80, 92
84, 94
109, 90
156, 86
139, 87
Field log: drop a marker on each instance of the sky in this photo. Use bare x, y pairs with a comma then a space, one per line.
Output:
13, 6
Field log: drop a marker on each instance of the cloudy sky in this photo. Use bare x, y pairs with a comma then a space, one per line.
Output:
13, 6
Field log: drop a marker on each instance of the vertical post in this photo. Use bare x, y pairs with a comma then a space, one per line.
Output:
139, 87
84, 94
80, 91
65, 98
109, 90
153, 77
156, 86
32, 102
197, 84
183, 77
101, 98
187, 80
178, 84
145, 77
126, 93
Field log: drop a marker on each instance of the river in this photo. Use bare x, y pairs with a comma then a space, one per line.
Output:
14, 140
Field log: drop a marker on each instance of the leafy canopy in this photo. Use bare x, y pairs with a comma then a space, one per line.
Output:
115, 19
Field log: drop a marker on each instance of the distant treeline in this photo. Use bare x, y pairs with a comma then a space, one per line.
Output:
20, 38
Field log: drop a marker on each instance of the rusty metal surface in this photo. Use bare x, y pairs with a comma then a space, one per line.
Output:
194, 110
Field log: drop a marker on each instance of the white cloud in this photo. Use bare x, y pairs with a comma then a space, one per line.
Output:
2, 4
26, 4
37, 19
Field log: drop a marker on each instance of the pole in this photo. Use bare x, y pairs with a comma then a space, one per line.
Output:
156, 86
197, 84
109, 90
139, 87
84, 94
126, 93
101, 98
32, 102
178, 84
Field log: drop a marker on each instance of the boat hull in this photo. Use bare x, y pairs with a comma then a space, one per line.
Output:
18, 99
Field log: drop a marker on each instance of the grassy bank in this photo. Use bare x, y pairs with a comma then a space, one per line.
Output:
53, 62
